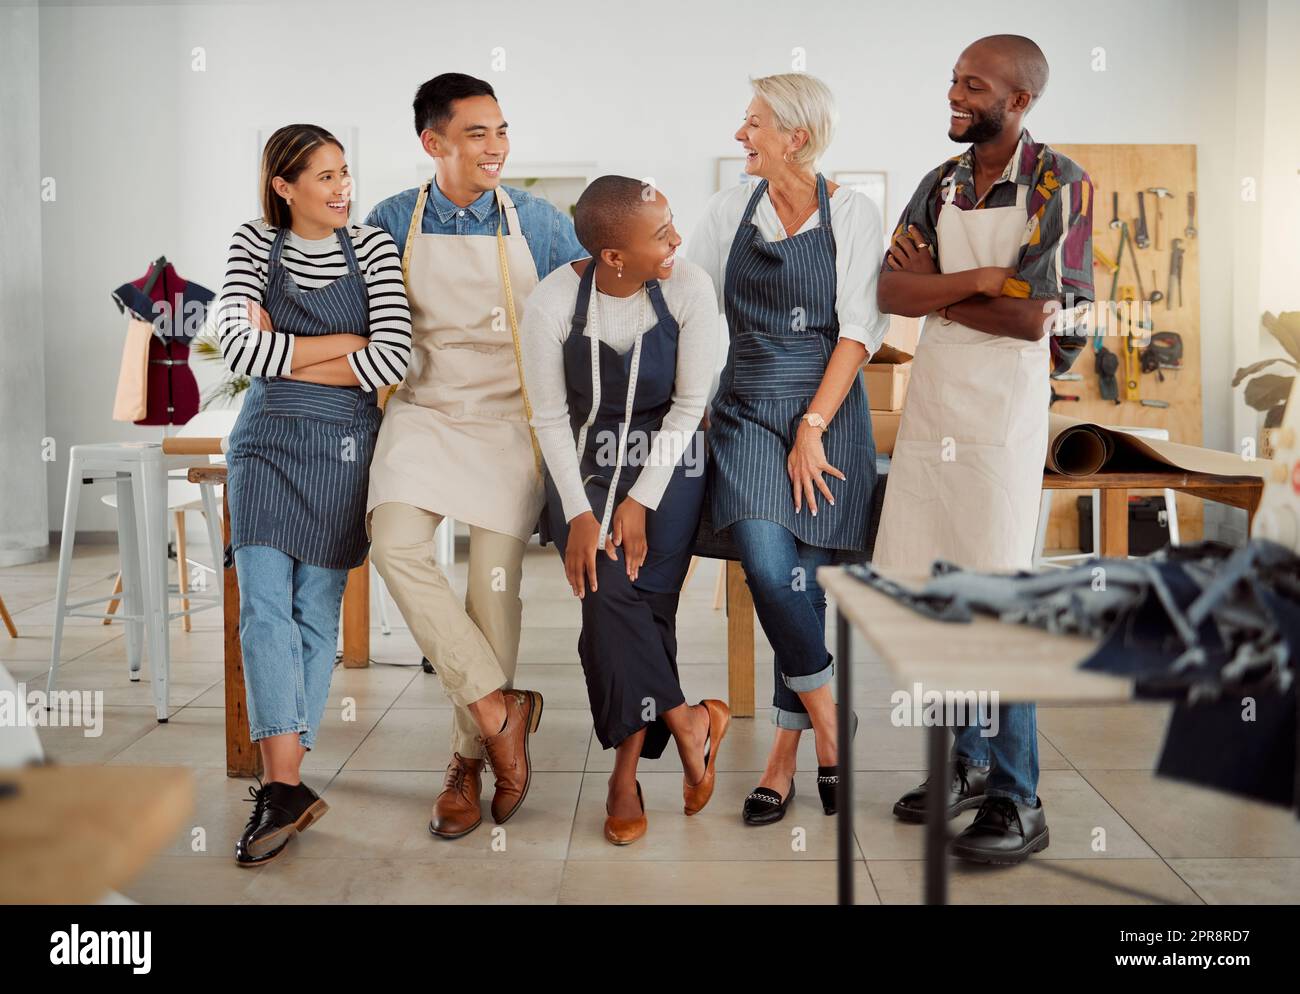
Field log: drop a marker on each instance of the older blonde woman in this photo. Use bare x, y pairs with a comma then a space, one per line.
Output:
795, 259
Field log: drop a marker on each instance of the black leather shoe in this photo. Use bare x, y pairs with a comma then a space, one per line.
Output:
965, 792
1003, 833
764, 806
280, 810
828, 777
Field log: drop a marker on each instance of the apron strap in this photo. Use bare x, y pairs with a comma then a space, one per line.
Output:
823, 203
578, 324
759, 192
507, 206
349, 253
277, 247
656, 292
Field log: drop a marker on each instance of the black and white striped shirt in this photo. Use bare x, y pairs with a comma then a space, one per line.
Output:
313, 264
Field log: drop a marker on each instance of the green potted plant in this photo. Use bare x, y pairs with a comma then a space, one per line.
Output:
1268, 392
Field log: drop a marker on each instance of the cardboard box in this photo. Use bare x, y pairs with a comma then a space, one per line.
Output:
884, 429
886, 384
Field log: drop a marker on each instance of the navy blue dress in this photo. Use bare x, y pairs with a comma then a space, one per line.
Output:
299, 454
628, 644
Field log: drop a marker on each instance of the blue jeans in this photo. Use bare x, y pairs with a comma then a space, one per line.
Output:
288, 631
1011, 755
782, 575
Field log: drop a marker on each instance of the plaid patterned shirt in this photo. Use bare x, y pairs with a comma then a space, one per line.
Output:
1055, 263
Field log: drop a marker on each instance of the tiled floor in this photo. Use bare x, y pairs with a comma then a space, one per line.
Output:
383, 747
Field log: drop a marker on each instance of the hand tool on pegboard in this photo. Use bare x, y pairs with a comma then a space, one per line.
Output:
1132, 357
1140, 236
1161, 194
1175, 273
1190, 230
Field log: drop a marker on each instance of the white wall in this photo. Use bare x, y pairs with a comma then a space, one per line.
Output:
24, 527
151, 156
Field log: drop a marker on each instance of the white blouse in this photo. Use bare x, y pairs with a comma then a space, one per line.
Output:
859, 251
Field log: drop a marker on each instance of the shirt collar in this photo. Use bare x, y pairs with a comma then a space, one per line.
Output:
446, 210
1011, 172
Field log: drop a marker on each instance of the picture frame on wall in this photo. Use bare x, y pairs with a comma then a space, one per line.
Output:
875, 185
730, 171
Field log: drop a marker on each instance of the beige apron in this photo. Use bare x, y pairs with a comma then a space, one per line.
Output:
455, 438
966, 474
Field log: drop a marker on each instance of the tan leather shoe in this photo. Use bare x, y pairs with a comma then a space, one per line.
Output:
697, 795
621, 831
507, 752
456, 811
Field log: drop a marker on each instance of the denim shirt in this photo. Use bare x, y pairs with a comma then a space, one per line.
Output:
548, 232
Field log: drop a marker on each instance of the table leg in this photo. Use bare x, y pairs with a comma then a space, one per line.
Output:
243, 759
844, 745
936, 817
740, 643
1114, 523
356, 618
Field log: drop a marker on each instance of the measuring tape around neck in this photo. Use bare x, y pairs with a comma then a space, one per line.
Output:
593, 309
514, 334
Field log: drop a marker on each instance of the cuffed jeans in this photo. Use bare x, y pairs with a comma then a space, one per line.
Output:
1011, 755
782, 575
288, 633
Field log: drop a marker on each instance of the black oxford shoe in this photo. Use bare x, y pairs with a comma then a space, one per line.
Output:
280, 810
1003, 833
965, 792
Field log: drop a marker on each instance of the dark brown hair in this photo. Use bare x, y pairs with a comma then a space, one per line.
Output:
286, 155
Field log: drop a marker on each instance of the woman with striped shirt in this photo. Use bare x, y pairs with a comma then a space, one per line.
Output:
314, 311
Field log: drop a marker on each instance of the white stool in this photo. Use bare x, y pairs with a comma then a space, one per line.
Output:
1045, 513
139, 471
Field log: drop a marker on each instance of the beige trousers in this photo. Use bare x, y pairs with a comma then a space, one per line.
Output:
474, 646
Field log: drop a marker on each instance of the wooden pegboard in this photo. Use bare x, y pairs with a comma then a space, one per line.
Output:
1128, 169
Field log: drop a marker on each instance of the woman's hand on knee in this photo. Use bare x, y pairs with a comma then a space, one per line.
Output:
628, 529
580, 553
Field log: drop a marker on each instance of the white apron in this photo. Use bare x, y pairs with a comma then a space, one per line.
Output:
966, 476
455, 438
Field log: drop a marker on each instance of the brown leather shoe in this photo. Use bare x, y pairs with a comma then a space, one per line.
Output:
507, 752
697, 795
621, 831
456, 811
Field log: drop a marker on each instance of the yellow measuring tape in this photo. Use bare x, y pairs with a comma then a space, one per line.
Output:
514, 334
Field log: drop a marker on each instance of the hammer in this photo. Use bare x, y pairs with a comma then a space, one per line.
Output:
1160, 193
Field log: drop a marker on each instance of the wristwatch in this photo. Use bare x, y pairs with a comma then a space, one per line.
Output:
815, 420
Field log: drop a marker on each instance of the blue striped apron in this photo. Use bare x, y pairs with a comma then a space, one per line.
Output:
670, 528
299, 455
780, 306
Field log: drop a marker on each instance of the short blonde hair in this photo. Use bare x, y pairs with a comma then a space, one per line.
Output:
800, 101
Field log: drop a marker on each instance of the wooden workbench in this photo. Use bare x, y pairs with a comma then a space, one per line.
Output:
71, 834
1236, 491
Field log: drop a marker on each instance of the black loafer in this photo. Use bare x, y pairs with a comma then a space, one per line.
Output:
965, 792
280, 811
828, 777
764, 806
1003, 833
